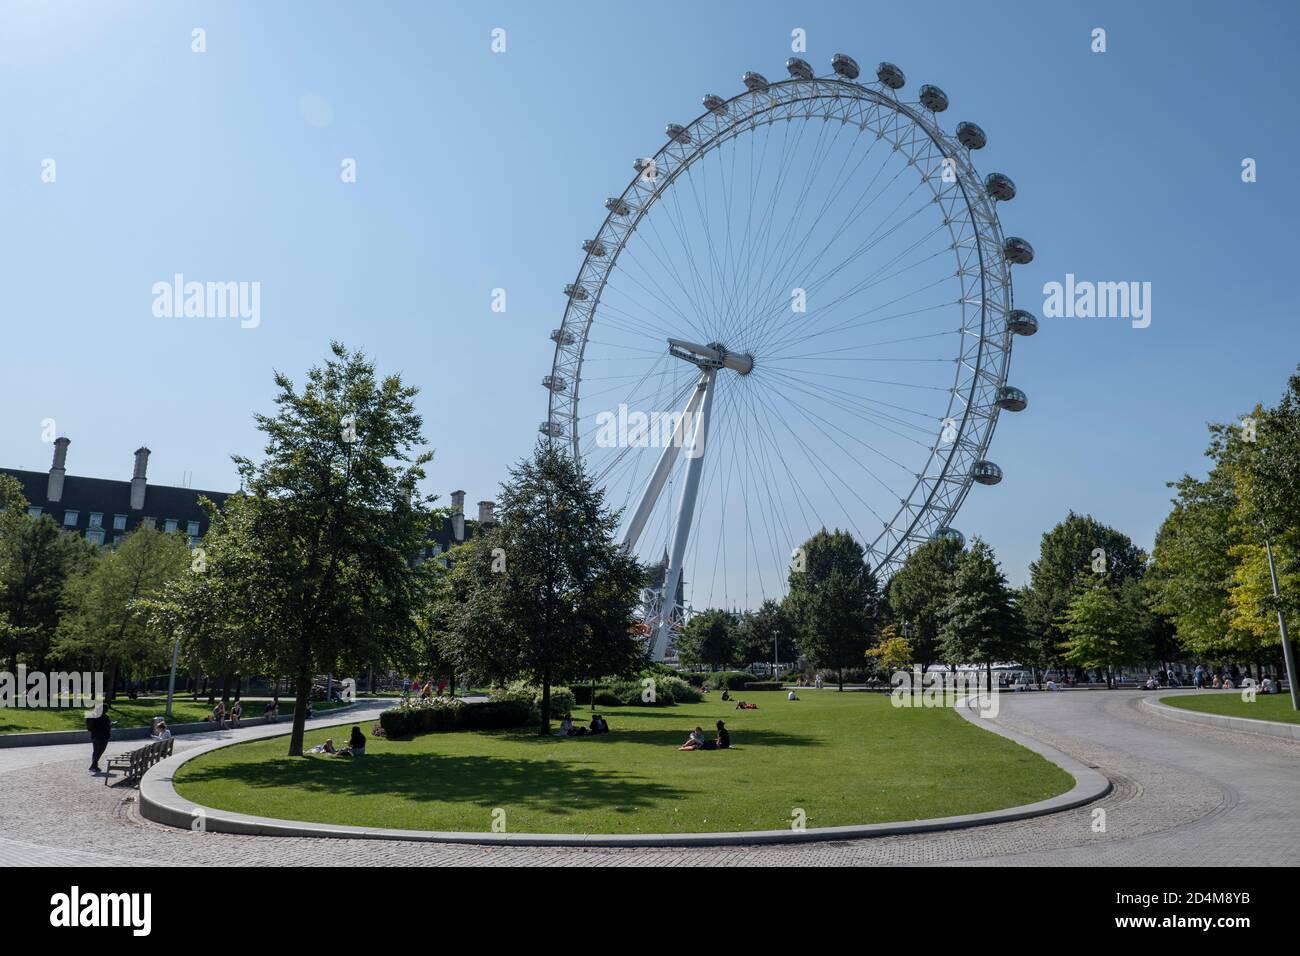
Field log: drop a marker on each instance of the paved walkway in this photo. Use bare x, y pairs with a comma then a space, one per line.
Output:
1184, 794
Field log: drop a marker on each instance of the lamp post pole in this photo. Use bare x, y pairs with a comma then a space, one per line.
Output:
1287, 656
171, 681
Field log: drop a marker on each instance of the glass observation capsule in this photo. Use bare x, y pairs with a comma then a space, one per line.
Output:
934, 99
1018, 250
971, 136
799, 69
1011, 399
986, 472
845, 66
1021, 322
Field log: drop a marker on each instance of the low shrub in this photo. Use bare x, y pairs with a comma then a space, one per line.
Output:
763, 685
582, 692
605, 697
682, 692
731, 680
441, 715
631, 693
693, 678
563, 699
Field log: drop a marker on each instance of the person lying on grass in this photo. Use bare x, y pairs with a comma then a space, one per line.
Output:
745, 705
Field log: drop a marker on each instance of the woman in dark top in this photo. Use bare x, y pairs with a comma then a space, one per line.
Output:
357, 742
723, 741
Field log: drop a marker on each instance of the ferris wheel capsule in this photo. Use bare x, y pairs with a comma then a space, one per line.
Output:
799, 69
1000, 187
1017, 250
1021, 322
950, 534
891, 76
986, 472
677, 133
934, 99
714, 103
1011, 399
971, 136
617, 206
594, 247
845, 66
755, 82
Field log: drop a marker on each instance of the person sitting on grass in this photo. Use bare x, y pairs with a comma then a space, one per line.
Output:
598, 725
726, 694
356, 744
326, 748
792, 696
723, 740
567, 729
695, 741
1266, 686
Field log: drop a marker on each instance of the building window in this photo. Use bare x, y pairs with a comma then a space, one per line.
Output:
34, 511
119, 522
96, 520
70, 518
95, 537
169, 525
192, 528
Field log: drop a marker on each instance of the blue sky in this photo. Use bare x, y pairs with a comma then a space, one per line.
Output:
479, 170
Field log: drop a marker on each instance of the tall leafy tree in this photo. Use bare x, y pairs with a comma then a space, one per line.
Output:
1068, 553
709, 640
982, 623
764, 632
919, 594
106, 619
833, 602
548, 589
314, 564
37, 560
1104, 627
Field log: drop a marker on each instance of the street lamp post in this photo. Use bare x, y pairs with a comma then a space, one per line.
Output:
171, 681
1287, 656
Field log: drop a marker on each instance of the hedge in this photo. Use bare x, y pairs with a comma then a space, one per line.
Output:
732, 680
763, 685
455, 715
582, 692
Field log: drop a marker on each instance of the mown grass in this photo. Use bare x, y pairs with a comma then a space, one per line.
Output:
842, 759
1263, 707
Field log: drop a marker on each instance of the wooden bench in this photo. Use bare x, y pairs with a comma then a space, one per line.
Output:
136, 762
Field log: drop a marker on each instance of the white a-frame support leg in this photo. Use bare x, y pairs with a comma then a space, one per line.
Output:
685, 514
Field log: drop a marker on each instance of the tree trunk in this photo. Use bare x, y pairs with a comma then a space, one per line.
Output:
545, 728
299, 715
110, 682
840, 676
225, 688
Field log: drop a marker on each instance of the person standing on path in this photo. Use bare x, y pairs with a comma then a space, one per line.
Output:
101, 729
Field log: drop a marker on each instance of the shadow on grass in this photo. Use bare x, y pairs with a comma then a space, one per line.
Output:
669, 738
487, 781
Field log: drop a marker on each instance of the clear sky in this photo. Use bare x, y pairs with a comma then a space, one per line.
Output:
479, 170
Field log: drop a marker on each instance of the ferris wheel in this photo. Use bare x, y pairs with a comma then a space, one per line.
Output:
797, 315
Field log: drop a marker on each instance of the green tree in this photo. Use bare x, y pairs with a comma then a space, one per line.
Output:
1077, 546
833, 601
36, 562
765, 631
892, 653
709, 640
1104, 627
314, 564
106, 620
919, 594
982, 623
548, 589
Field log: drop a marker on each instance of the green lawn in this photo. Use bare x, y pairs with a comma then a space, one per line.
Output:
1268, 707
847, 758
128, 713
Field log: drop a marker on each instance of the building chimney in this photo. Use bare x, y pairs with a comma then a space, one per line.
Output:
458, 515
485, 512
54, 490
138, 478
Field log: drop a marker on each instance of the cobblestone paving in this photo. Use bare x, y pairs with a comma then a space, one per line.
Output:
1183, 794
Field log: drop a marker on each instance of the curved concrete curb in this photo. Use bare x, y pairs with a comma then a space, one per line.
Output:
160, 803
47, 738
1271, 728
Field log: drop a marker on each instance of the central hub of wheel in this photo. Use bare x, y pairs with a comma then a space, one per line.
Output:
713, 355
